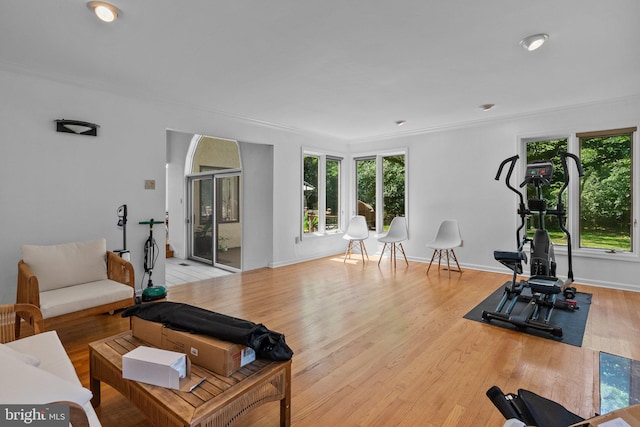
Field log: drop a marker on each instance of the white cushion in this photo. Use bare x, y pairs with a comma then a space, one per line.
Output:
69, 264
70, 299
5, 350
26, 384
51, 353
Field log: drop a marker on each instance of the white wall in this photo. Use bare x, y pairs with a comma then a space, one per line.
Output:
177, 148
58, 187
257, 210
451, 175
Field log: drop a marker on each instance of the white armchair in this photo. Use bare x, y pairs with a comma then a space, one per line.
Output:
73, 280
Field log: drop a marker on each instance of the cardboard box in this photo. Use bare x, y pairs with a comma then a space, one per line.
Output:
159, 367
221, 357
625, 417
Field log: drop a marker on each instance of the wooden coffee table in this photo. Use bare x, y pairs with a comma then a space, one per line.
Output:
218, 401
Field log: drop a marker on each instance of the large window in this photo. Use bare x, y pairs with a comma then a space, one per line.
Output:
366, 190
539, 150
332, 193
310, 189
601, 211
380, 189
321, 193
605, 194
393, 186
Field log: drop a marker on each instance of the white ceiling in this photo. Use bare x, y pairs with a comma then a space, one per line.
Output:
345, 68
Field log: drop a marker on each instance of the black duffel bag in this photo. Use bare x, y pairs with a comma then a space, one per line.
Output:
187, 318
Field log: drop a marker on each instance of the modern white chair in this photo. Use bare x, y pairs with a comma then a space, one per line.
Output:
394, 237
357, 232
447, 238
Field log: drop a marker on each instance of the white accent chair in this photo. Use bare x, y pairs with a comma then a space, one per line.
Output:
357, 232
447, 238
394, 237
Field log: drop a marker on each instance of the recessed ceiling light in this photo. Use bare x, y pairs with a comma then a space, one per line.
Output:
487, 107
401, 122
533, 42
104, 11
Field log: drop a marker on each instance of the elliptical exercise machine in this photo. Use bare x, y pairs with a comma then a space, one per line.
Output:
541, 290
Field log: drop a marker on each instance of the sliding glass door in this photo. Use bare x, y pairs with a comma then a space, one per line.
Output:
215, 225
227, 219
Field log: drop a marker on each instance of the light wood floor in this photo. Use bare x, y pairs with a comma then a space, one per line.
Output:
377, 347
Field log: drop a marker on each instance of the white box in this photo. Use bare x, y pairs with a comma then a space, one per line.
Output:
159, 367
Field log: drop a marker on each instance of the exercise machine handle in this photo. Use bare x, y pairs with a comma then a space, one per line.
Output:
522, 211
560, 212
504, 162
564, 155
513, 161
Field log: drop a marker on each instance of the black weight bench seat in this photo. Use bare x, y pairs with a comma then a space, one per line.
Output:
510, 259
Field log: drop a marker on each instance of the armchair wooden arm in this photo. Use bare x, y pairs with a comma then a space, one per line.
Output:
10, 315
120, 270
28, 287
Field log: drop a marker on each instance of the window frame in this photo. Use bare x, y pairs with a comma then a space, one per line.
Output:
378, 157
634, 186
322, 192
573, 195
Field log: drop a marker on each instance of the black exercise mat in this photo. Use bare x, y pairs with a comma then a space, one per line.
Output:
571, 322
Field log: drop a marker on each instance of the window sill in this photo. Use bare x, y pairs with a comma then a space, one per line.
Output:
603, 254
318, 234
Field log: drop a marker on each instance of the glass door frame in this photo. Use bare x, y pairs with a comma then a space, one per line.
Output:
227, 220
194, 243
213, 176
